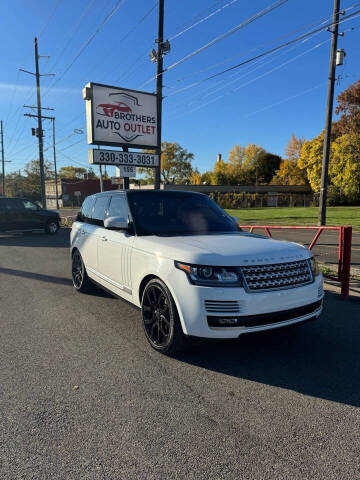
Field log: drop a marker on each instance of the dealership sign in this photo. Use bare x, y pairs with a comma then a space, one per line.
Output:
120, 117
117, 158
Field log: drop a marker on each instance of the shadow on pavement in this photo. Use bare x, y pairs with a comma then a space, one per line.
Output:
36, 276
60, 240
320, 358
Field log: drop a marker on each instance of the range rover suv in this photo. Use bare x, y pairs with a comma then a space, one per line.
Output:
181, 259
21, 215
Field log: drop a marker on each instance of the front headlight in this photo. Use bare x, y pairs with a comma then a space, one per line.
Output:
211, 276
314, 267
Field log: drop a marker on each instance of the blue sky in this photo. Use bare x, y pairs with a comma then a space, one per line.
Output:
263, 102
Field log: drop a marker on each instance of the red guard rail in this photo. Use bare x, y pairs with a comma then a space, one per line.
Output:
344, 249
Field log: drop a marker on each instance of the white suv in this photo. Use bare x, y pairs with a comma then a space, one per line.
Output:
181, 259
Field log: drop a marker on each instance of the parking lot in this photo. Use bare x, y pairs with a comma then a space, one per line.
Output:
82, 395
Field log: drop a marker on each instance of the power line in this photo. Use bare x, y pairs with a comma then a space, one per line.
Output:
202, 20
72, 145
301, 37
50, 17
243, 24
119, 3
308, 25
262, 75
272, 50
122, 39
258, 77
195, 17
82, 16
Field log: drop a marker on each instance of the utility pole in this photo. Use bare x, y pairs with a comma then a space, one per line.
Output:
39, 117
40, 136
43, 117
54, 153
329, 109
159, 87
2, 159
101, 179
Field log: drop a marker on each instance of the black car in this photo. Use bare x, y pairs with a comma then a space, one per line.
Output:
20, 214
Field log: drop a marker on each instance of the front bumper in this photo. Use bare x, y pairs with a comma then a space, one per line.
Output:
194, 312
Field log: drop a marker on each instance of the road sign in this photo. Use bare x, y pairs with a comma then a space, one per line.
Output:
117, 158
120, 117
127, 171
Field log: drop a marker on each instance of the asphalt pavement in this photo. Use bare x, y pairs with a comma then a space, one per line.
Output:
83, 396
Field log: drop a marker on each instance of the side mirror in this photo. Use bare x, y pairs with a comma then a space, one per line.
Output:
235, 220
117, 223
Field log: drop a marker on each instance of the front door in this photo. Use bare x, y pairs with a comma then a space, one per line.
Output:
30, 214
114, 249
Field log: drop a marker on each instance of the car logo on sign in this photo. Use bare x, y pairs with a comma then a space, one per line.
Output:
108, 109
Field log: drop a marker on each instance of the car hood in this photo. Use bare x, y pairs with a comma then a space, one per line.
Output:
224, 249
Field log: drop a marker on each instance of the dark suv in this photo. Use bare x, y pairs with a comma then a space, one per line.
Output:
20, 214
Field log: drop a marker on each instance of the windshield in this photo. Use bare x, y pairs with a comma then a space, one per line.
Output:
177, 213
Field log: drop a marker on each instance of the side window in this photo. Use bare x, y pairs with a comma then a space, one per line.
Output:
29, 205
100, 210
13, 204
118, 207
86, 209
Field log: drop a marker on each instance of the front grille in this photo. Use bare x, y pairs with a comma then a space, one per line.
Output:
222, 306
276, 276
266, 318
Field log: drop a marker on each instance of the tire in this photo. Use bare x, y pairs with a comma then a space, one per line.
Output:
160, 318
80, 279
52, 227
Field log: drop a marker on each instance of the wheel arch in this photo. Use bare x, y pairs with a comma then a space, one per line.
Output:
141, 289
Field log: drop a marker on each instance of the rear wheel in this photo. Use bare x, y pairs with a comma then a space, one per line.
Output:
52, 227
160, 318
80, 278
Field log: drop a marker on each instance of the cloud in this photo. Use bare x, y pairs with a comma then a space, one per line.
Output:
8, 88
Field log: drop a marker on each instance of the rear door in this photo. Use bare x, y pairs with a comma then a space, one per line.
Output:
93, 231
114, 249
3, 214
10, 214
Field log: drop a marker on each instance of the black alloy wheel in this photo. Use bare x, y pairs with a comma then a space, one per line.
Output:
160, 318
80, 279
52, 227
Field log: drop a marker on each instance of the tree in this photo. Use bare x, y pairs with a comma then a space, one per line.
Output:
91, 174
195, 177
32, 186
220, 175
344, 168
175, 164
311, 160
72, 172
293, 148
243, 164
349, 107
14, 184
265, 166
207, 178
289, 174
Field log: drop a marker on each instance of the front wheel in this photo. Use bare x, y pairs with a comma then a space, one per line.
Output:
160, 318
80, 278
52, 227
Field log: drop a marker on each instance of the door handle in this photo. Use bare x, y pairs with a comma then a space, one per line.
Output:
104, 239
82, 232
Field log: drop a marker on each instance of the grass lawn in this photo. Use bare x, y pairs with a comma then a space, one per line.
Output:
297, 215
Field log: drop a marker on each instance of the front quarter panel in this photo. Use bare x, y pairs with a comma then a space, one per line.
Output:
145, 263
